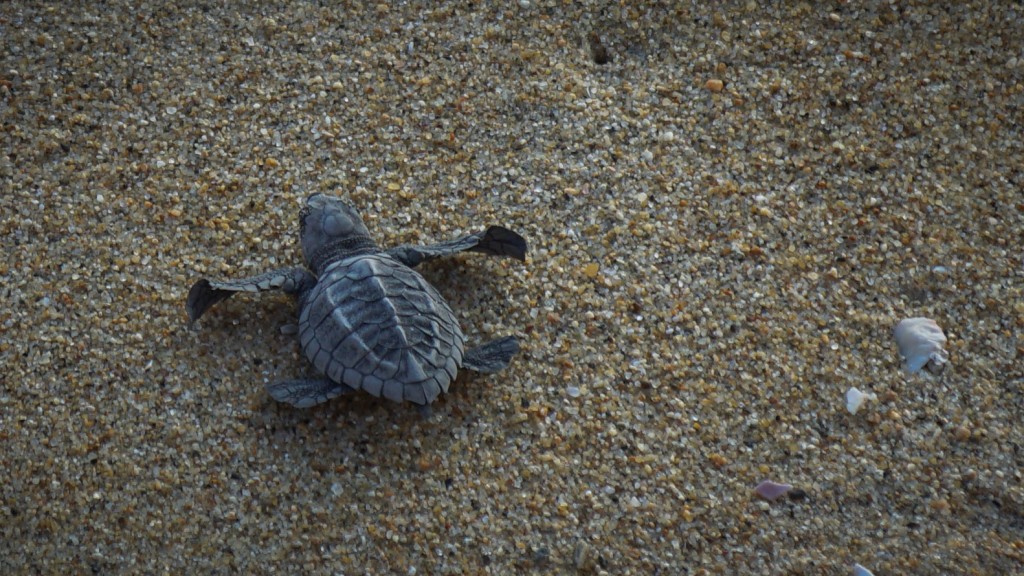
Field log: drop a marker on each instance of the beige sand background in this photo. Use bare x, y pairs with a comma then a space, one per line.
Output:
726, 219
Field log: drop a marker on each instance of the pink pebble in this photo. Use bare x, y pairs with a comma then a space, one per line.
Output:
772, 490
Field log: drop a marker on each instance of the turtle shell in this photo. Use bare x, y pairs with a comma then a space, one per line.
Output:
374, 324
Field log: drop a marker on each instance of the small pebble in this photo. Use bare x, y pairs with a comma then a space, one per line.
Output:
573, 391
772, 490
855, 399
714, 85
598, 51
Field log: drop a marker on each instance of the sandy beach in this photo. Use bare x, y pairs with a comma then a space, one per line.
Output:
729, 208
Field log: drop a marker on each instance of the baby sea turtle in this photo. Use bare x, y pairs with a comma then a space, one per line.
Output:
367, 320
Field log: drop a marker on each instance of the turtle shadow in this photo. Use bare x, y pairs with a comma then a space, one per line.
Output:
475, 287
360, 443
240, 315
462, 273
359, 430
239, 343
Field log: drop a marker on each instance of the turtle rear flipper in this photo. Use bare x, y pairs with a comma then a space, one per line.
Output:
205, 294
307, 393
491, 357
495, 241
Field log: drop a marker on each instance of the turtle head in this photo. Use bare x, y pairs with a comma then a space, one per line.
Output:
330, 227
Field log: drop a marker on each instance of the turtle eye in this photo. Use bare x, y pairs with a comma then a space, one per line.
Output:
337, 225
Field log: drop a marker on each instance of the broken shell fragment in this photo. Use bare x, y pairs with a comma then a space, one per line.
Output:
772, 490
921, 344
584, 556
855, 399
859, 570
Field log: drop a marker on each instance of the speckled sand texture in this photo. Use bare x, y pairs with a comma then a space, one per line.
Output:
727, 220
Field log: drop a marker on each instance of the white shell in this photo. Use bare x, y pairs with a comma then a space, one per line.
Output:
859, 570
855, 399
921, 341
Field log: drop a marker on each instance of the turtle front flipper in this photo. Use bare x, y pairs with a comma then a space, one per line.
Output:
205, 294
307, 393
491, 357
495, 241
